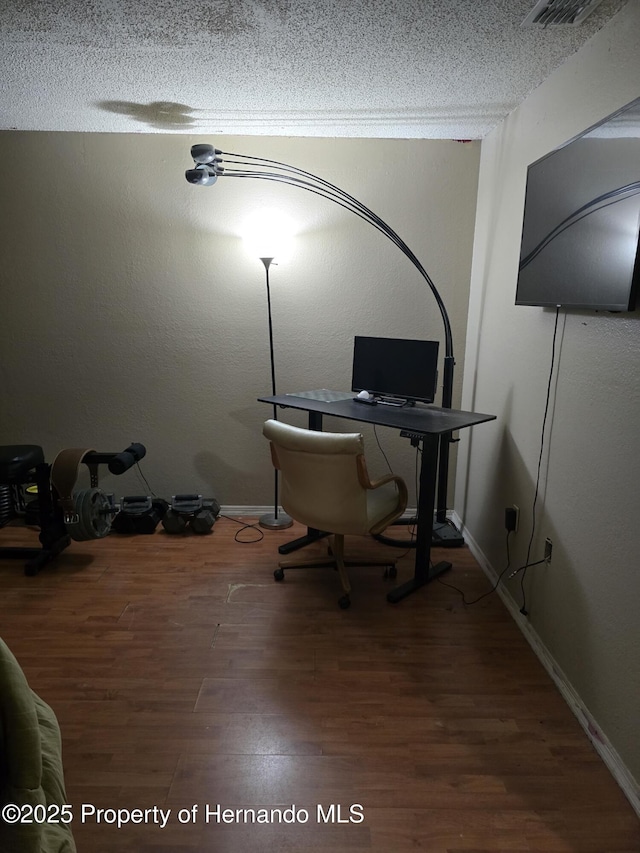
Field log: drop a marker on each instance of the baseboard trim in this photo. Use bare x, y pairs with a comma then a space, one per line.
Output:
605, 750
241, 511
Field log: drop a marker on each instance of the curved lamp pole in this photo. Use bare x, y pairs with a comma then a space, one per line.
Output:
209, 165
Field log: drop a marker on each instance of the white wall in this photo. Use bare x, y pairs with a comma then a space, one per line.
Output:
130, 310
583, 608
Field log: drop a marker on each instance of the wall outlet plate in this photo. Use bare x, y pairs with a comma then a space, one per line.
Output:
511, 518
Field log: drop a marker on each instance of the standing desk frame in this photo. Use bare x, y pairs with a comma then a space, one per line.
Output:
432, 424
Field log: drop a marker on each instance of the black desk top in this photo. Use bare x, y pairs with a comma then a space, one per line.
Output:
427, 420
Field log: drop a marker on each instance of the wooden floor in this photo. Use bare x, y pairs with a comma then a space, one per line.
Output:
185, 678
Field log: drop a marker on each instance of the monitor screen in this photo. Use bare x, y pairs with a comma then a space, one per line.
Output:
581, 223
395, 367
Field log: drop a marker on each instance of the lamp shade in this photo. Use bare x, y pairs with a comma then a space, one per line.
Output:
202, 174
268, 234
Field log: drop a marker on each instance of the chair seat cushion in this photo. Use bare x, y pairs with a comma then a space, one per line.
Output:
16, 460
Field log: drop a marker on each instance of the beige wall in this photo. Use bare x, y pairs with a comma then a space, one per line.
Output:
584, 606
131, 311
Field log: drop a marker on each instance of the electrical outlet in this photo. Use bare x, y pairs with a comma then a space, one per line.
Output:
548, 548
511, 518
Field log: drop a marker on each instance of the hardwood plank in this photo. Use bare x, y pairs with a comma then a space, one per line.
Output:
182, 675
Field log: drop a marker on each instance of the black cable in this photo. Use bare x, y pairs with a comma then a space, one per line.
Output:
144, 480
527, 564
496, 584
523, 609
377, 438
485, 594
244, 526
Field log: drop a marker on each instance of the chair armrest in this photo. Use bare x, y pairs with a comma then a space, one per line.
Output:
367, 483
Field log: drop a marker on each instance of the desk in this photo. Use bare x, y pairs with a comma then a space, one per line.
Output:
432, 424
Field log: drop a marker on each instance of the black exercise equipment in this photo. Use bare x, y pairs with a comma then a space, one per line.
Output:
62, 514
139, 514
191, 512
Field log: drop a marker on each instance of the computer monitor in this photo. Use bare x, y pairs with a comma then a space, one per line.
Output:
396, 367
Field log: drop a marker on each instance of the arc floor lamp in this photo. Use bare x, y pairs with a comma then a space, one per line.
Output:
209, 165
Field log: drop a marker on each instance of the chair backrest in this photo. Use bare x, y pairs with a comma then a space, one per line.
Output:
321, 484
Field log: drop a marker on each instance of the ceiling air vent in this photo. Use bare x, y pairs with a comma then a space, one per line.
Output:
560, 12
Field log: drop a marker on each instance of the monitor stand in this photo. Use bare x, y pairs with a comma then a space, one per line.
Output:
395, 401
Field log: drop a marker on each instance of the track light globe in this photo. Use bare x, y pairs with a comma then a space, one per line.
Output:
202, 175
203, 153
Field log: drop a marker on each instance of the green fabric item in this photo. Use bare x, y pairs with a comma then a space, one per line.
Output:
31, 770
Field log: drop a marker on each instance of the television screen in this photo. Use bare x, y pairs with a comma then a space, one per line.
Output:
395, 367
582, 220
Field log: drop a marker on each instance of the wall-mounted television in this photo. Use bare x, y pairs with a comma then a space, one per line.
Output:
395, 367
580, 234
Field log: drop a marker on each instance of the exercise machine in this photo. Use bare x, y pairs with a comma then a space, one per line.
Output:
63, 514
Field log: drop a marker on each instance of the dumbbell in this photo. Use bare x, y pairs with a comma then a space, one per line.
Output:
173, 522
202, 522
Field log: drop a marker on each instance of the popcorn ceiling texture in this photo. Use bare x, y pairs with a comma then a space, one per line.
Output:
366, 68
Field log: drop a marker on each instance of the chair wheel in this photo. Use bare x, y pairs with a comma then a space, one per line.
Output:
279, 574
344, 602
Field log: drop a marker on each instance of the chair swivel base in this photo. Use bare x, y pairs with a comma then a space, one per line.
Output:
390, 570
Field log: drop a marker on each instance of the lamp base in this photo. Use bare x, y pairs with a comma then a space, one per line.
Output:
275, 522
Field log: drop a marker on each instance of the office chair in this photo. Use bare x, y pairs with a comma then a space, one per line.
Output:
325, 485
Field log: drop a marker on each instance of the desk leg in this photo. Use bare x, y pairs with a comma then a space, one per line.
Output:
312, 535
426, 505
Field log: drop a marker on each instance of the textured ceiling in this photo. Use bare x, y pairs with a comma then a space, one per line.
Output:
353, 68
